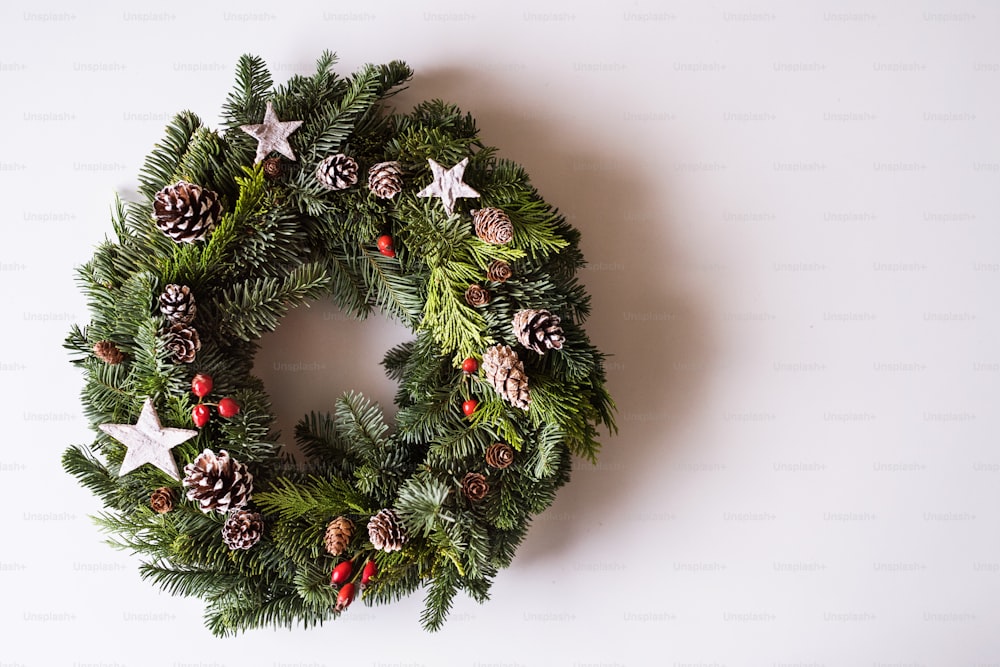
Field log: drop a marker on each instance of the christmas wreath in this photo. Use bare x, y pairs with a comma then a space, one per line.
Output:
318, 188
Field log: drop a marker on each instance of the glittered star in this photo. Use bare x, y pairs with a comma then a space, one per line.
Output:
148, 441
272, 134
448, 184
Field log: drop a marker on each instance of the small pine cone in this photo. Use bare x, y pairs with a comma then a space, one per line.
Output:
493, 225
499, 455
182, 342
386, 531
177, 304
337, 172
499, 271
162, 500
218, 482
186, 212
338, 535
242, 529
538, 330
273, 168
505, 372
108, 352
476, 296
475, 487
385, 179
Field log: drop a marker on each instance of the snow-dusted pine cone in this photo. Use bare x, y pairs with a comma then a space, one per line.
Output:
337, 172
242, 529
493, 225
505, 372
538, 330
218, 482
386, 531
385, 179
183, 343
186, 212
177, 304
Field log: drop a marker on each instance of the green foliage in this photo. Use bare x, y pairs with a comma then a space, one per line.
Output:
285, 241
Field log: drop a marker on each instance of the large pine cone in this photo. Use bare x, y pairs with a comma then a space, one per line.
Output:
505, 372
538, 330
386, 531
337, 172
385, 179
218, 482
338, 535
242, 529
186, 212
183, 343
177, 304
493, 225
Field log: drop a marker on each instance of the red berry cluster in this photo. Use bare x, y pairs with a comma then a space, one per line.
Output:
201, 386
470, 366
341, 576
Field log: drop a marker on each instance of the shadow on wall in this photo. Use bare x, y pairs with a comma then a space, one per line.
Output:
656, 331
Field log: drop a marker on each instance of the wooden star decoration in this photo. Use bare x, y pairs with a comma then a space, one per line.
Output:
148, 441
272, 134
448, 184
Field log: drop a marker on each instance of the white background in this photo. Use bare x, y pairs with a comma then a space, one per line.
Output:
791, 212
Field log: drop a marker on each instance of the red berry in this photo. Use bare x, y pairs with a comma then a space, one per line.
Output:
385, 242
200, 414
470, 365
388, 252
228, 407
470, 406
371, 569
345, 597
342, 572
201, 385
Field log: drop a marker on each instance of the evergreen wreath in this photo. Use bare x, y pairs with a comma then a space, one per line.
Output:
318, 188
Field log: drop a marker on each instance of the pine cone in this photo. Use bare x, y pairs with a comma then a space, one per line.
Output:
499, 455
273, 168
186, 212
218, 482
162, 500
499, 271
386, 531
493, 225
183, 343
337, 172
108, 352
476, 296
505, 372
538, 330
385, 179
338, 535
242, 529
475, 487
177, 304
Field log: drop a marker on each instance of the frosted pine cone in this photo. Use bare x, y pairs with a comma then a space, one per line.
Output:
183, 343
242, 529
186, 212
386, 531
538, 330
505, 372
385, 179
493, 225
337, 172
218, 482
177, 304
